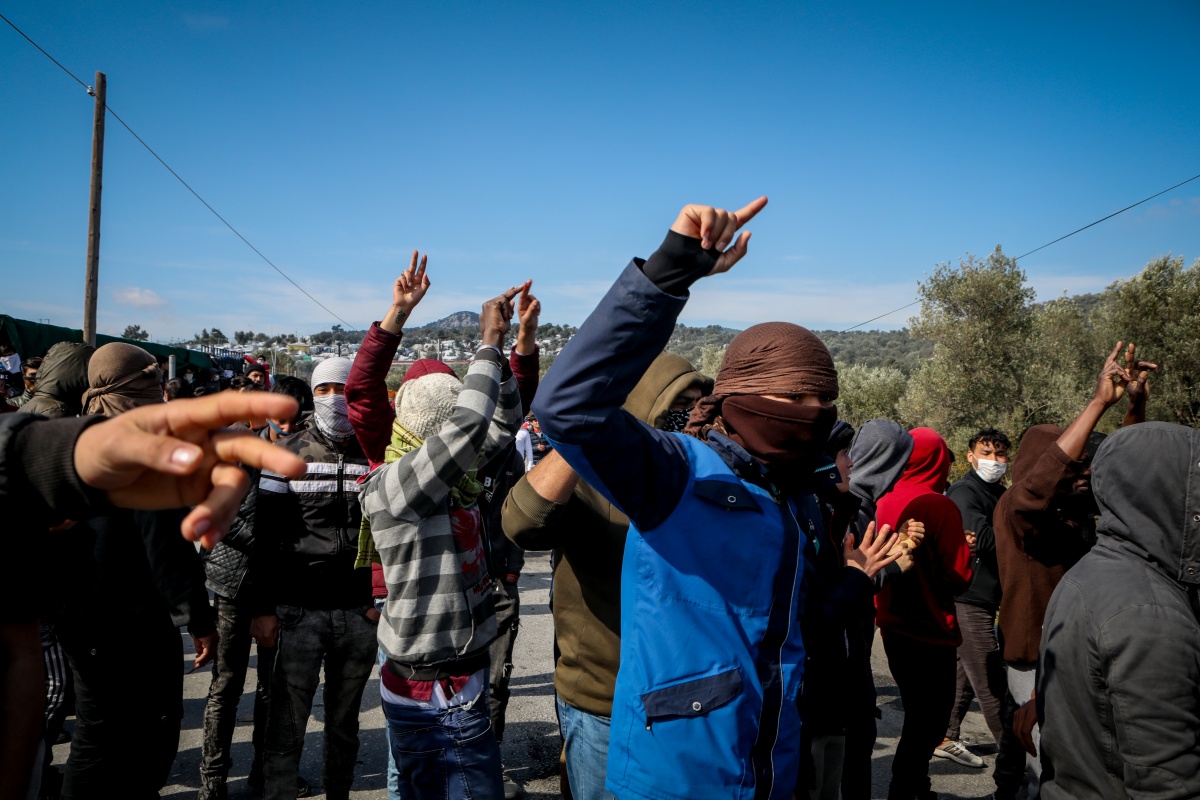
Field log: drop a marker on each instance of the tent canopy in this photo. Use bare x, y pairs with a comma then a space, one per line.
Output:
33, 339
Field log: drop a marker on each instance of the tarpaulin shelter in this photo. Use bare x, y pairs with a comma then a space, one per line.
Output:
33, 339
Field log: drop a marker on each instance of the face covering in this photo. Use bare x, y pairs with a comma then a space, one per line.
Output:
332, 416
778, 433
990, 471
189, 377
278, 430
676, 421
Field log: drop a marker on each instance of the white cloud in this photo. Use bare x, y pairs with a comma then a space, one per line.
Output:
137, 297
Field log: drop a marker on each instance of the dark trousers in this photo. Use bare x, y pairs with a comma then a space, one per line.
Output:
228, 682
508, 620
344, 642
128, 677
980, 671
861, 728
924, 674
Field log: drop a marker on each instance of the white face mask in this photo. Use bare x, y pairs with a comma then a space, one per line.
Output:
332, 416
990, 471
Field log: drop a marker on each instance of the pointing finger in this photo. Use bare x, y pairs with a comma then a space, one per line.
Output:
748, 212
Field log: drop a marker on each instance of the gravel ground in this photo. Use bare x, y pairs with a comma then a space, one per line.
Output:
531, 745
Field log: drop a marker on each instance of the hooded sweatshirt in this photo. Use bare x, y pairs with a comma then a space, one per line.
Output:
588, 535
920, 605
1041, 530
62, 380
1120, 656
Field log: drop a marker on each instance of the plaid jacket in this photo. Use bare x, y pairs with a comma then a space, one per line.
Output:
431, 617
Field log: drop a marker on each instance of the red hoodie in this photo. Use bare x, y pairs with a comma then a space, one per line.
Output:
920, 603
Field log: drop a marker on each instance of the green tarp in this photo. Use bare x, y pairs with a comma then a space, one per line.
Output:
33, 339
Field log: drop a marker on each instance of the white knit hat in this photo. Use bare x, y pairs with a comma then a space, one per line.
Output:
423, 405
331, 370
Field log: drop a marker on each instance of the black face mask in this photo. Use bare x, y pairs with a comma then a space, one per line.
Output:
676, 421
780, 434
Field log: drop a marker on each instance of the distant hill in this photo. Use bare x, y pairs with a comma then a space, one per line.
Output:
459, 319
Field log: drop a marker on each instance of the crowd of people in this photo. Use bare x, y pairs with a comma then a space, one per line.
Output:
725, 554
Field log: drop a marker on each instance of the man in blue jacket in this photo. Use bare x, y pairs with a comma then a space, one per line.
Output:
711, 655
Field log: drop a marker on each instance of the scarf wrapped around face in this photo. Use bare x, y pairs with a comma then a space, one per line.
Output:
121, 377
465, 493
776, 358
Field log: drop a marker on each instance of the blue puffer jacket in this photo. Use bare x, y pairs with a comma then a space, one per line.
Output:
711, 654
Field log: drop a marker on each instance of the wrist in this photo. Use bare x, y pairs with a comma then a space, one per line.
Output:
492, 339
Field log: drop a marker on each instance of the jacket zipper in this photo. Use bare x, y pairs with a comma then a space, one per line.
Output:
341, 501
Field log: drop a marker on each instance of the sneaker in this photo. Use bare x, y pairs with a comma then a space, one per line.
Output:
511, 790
958, 753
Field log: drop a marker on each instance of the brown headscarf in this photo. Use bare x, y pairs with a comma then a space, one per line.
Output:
121, 377
771, 358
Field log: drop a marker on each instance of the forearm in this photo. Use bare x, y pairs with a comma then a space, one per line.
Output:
531, 521
394, 318
37, 464
526, 366
1135, 414
553, 478
1073, 440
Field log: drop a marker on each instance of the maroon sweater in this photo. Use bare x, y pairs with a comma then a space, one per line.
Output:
1041, 530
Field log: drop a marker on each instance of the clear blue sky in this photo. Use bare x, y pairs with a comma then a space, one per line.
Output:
557, 140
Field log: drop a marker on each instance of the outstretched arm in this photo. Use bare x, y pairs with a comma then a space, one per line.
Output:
371, 412
416, 485
579, 405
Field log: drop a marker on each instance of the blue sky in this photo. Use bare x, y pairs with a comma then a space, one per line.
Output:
556, 140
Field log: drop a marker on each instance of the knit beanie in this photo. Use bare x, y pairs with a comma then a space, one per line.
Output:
423, 404
331, 370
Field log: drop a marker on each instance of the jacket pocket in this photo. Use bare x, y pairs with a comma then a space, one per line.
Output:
693, 698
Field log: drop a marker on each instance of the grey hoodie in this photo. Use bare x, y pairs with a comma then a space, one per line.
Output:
1119, 668
879, 452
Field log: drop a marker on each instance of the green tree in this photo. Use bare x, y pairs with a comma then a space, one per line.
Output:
135, 333
869, 392
979, 317
711, 356
1159, 310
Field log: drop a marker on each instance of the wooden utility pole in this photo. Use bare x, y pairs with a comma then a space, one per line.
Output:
91, 284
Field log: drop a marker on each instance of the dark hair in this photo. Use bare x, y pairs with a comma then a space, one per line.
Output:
241, 383
33, 363
178, 389
839, 440
992, 436
295, 388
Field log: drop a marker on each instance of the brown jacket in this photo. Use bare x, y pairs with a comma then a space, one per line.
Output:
588, 536
1041, 530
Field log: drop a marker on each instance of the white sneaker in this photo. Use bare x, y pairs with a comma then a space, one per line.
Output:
958, 753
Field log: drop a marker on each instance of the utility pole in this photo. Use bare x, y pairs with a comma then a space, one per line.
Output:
91, 283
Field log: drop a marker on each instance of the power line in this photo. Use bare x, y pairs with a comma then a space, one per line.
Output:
1110, 216
177, 177
1047, 244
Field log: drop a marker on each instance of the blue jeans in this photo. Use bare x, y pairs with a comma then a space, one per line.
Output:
445, 753
585, 737
393, 778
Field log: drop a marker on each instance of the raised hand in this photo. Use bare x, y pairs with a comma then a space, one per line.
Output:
1110, 386
495, 319
1139, 388
716, 228
178, 454
529, 308
875, 552
407, 291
